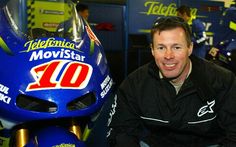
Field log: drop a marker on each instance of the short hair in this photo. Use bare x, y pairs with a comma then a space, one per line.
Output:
81, 7
184, 9
171, 22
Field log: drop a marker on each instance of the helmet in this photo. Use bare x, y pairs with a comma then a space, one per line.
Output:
53, 65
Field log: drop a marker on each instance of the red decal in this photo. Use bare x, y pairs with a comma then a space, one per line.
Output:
92, 36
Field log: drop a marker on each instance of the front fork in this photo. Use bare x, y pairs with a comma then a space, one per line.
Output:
22, 134
22, 137
76, 129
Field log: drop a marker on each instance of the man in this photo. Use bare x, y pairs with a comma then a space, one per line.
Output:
198, 30
225, 40
226, 32
176, 100
67, 26
83, 10
227, 25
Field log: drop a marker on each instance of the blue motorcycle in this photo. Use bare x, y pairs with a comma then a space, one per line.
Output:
54, 76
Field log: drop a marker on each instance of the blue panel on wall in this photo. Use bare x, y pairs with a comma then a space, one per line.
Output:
108, 15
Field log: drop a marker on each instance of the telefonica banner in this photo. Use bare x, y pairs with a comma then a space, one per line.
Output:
143, 13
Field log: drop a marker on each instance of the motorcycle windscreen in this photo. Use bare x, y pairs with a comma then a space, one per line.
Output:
34, 19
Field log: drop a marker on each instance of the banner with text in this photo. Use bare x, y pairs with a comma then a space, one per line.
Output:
142, 15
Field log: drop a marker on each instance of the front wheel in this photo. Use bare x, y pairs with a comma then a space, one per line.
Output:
55, 136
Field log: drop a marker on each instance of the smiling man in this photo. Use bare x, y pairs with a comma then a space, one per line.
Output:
176, 100
171, 50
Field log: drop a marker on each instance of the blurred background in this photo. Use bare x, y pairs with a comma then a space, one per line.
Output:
123, 27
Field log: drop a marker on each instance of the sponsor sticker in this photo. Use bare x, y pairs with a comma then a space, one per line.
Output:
4, 94
106, 86
64, 145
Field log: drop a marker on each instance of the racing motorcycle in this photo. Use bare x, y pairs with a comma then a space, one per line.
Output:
54, 76
224, 54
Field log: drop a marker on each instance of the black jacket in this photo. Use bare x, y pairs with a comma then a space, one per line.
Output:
202, 113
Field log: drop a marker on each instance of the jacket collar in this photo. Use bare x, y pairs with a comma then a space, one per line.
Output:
198, 77
153, 70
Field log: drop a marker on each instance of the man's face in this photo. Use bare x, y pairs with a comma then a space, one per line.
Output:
184, 16
84, 14
171, 53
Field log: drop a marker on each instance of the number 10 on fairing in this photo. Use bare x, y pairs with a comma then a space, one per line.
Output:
74, 75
